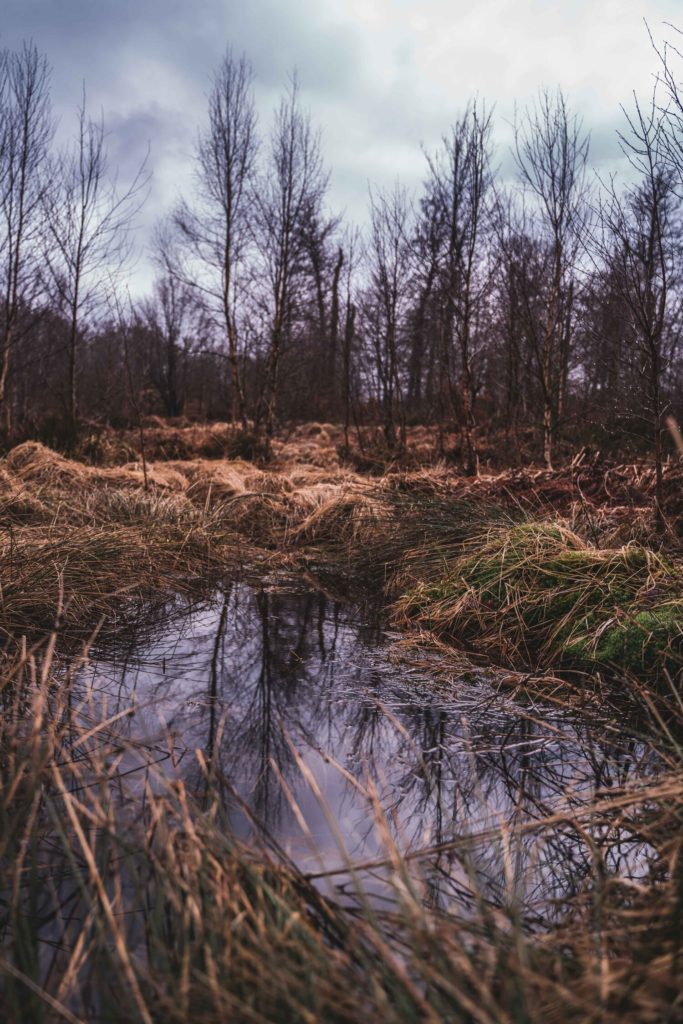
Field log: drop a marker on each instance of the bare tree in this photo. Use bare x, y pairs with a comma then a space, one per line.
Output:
26, 130
351, 256
170, 315
551, 150
423, 318
387, 301
290, 195
520, 297
320, 301
641, 246
89, 220
125, 320
670, 141
218, 227
458, 187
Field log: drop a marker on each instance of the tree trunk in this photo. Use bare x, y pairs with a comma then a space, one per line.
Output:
73, 378
334, 328
548, 435
237, 403
348, 341
471, 458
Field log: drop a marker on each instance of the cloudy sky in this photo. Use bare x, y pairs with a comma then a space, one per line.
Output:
381, 77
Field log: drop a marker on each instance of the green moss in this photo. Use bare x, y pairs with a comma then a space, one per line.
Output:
637, 641
537, 592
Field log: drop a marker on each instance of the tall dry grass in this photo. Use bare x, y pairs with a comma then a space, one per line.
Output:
528, 591
125, 897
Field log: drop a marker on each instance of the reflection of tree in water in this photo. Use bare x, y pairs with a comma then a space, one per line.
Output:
488, 770
271, 669
458, 774
268, 678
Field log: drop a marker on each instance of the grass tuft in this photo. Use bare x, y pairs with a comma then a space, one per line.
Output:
537, 594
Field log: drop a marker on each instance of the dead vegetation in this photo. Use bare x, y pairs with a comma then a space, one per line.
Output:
322, 445
172, 917
490, 561
154, 909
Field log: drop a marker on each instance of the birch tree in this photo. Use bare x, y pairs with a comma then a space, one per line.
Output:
89, 218
551, 150
290, 196
217, 226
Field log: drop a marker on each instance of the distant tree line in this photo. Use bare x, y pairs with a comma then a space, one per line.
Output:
543, 311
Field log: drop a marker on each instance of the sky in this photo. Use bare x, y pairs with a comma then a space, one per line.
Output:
382, 78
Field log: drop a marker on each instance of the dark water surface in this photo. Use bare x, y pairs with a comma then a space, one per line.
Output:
311, 717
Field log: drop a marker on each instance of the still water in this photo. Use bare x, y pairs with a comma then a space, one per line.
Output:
312, 719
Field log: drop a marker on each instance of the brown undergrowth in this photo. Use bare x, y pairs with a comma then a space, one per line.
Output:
126, 898
585, 477
117, 909
465, 559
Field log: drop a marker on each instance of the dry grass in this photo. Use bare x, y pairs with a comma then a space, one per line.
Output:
94, 542
596, 479
121, 909
537, 594
95, 536
557, 593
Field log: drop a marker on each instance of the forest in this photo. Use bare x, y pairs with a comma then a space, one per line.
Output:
529, 316
341, 571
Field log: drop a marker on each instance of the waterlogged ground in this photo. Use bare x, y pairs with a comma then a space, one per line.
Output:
312, 720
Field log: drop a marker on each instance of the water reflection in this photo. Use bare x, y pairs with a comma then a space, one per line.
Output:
285, 693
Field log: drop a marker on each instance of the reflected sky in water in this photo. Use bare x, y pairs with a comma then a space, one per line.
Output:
311, 718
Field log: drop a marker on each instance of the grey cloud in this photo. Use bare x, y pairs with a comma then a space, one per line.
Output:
380, 76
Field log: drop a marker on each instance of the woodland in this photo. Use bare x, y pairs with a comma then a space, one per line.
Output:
531, 315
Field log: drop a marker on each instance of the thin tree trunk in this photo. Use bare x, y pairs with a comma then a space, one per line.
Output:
348, 340
73, 381
548, 437
237, 402
4, 376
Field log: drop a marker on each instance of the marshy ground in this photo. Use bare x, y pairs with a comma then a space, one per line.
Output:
337, 739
